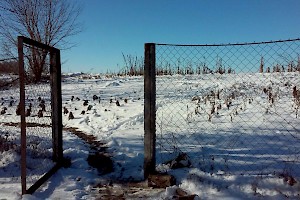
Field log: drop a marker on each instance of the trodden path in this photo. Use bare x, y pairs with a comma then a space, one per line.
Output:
101, 160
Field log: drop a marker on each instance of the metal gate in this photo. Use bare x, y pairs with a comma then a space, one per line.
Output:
40, 109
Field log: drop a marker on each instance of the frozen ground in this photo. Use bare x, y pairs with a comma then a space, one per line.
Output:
258, 160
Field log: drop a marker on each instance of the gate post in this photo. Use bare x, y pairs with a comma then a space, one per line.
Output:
56, 109
149, 109
22, 112
55, 78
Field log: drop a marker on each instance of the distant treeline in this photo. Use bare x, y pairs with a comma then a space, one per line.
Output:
9, 67
134, 66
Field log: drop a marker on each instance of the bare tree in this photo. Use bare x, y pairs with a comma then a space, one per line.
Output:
51, 22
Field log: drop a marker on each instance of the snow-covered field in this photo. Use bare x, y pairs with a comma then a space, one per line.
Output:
248, 150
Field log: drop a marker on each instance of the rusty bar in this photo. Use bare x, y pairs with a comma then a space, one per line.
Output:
149, 110
22, 111
43, 179
37, 44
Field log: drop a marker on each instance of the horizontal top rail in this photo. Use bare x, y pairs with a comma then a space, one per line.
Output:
37, 44
6, 59
230, 44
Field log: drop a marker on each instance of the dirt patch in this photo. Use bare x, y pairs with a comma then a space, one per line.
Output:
98, 157
28, 124
101, 161
90, 139
138, 190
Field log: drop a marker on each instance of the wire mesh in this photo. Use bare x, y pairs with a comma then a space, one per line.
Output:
231, 108
9, 131
39, 146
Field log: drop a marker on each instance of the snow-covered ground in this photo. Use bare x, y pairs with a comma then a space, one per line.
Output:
247, 151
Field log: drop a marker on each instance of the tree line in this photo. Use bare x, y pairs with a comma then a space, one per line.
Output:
134, 66
9, 67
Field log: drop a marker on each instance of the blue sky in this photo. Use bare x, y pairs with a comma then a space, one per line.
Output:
113, 27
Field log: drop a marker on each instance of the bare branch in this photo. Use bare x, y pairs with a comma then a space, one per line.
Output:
51, 22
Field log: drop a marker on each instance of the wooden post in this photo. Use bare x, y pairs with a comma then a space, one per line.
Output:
149, 110
56, 104
22, 112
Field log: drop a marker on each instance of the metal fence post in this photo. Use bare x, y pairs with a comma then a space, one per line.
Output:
55, 76
22, 112
149, 109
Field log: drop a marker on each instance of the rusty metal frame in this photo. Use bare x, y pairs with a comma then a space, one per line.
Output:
56, 107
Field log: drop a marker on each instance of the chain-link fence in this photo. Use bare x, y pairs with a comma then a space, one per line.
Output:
230, 108
38, 117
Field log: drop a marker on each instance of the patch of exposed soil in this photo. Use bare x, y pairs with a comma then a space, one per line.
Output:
98, 157
139, 190
90, 139
28, 124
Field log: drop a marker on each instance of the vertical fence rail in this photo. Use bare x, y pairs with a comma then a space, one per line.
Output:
22, 109
149, 109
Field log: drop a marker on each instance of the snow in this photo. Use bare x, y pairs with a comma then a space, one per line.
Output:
121, 128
